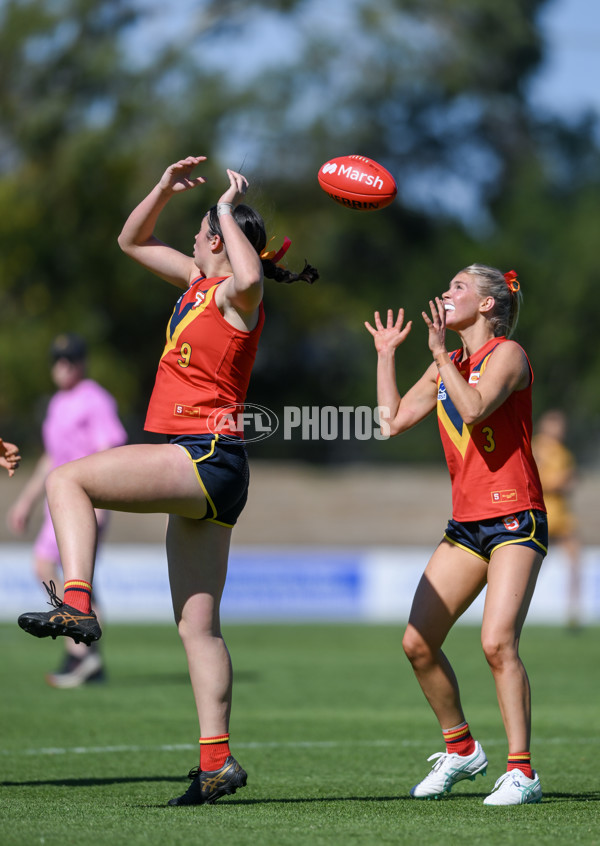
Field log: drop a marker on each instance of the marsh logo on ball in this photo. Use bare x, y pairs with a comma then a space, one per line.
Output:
357, 182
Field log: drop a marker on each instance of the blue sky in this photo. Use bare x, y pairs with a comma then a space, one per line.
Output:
566, 85
569, 82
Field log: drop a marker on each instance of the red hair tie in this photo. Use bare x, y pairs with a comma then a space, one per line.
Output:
276, 256
510, 277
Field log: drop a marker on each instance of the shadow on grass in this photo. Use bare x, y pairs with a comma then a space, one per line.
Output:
549, 798
89, 782
289, 801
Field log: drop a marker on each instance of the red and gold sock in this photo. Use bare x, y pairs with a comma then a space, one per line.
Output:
78, 594
214, 751
459, 740
520, 761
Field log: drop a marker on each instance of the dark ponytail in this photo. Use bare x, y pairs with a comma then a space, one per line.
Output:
253, 227
273, 271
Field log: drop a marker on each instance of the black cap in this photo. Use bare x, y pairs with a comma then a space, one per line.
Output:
69, 346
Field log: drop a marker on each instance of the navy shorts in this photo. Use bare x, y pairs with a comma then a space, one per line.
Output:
482, 537
222, 470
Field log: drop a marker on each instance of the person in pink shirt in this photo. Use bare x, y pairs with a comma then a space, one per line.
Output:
81, 419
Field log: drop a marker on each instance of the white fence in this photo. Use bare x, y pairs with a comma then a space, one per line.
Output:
287, 584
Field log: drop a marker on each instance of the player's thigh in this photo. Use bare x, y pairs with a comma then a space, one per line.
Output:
512, 576
138, 477
452, 579
197, 554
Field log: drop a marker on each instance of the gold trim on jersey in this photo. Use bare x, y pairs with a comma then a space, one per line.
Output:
460, 439
185, 321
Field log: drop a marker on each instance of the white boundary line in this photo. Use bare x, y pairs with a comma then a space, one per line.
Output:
316, 744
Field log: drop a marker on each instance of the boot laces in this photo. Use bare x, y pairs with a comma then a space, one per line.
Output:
55, 600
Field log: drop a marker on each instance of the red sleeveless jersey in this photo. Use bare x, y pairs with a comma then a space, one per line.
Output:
491, 464
206, 363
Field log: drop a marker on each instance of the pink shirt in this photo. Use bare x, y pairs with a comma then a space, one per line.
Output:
78, 422
81, 421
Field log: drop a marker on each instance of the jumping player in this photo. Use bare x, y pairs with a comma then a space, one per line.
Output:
197, 477
498, 532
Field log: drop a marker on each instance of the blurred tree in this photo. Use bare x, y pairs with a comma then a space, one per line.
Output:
83, 135
434, 89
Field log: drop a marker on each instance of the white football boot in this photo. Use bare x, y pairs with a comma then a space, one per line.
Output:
448, 770
514, 788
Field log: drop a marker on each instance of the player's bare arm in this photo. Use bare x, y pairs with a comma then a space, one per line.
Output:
507, 371
400, 413
244, 290
137, 237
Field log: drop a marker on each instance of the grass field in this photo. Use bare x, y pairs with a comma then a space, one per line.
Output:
329, 723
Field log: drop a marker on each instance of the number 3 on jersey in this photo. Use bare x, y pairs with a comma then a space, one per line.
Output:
490, 446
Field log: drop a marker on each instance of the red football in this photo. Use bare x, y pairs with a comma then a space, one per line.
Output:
357, 183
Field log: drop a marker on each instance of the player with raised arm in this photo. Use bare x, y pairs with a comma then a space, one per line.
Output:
498, 532
198, 478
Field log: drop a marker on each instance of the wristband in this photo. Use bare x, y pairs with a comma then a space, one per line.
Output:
224, 208
439, 359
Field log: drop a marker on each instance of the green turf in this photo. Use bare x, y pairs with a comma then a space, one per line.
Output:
329, 723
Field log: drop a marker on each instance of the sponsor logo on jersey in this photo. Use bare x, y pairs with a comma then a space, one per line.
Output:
504, 496
186, 410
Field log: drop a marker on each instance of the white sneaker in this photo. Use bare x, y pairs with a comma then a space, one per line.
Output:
86, 669
448, 769
514, 788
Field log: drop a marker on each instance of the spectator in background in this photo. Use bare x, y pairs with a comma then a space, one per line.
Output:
556, 465
9, 457
81, 419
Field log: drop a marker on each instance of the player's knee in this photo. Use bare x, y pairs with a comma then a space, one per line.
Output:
56, 478
498, 651
416, 648
197, 629
59, 478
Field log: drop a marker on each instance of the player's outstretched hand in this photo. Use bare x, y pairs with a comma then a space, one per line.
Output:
178, 176
436, 324
388, 338
9, 457
238, 185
